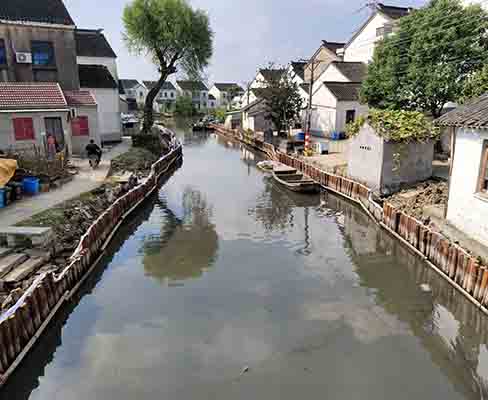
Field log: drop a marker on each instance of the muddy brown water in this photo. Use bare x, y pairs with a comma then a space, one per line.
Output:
226, 286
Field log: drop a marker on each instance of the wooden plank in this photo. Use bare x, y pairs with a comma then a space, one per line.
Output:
10, 262
24, 270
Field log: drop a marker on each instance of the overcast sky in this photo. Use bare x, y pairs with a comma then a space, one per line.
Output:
248, 33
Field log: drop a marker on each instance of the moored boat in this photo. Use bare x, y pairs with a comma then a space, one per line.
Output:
295, 181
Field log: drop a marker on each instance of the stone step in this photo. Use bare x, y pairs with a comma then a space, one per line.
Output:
10, 262
24, 270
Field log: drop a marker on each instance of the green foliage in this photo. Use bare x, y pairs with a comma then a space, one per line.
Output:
425, 63
173, 34
476, 85
397, 126
353, 128
184, 107
282, 100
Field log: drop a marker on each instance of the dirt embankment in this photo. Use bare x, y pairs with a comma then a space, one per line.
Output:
414, 201
137, 160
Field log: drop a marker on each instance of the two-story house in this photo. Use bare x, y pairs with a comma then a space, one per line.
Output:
133, 91
97, 65
38, 61
196, 90
260, 81
166, 98
226, 94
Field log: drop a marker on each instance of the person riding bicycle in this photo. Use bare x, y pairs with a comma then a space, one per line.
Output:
92, 149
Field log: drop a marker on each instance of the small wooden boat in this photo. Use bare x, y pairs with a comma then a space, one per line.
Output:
294, 181
267, 165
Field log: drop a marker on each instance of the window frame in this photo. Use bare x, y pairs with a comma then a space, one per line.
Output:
4, 48
482, 186
348, 112
51, 57
20, 122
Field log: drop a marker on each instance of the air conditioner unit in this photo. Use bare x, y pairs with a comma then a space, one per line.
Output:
24, 58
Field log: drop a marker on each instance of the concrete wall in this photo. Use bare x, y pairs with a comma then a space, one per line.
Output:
406, 163
110, 63
7, 135
467, 209
109, 123
482, 3
217, 94
365, 158
323, 112
362, 47
332, 74
19, 37
79, 142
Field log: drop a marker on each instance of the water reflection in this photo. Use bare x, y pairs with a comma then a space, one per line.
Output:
449, 326
187, 245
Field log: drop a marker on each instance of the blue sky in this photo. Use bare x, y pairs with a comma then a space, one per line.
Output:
248, 33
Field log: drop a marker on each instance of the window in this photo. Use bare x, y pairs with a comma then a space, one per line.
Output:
23, 128
350, 116
141, 95
204, 95
3, 54
171, 95
165, 94
80, 127
384, 30
483, 182
43, 54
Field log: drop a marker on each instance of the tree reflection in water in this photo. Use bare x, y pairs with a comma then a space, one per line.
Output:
186, 247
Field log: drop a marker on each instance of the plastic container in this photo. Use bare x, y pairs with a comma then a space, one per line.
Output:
2, 197
30, 186
300, 137
334, 135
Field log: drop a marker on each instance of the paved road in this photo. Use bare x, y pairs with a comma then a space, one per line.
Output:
86, 180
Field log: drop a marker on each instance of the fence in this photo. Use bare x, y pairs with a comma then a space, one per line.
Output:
22, 324
461, 269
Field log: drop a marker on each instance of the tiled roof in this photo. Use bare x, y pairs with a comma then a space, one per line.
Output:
299, 68
79, 98
92, 43
44, 11
260, 92
270, 74
393, 12
333, 46
354, 71
166, 85
128, 83
228, 86
27, 96
96, 77
471, 115
192, 85
344, 91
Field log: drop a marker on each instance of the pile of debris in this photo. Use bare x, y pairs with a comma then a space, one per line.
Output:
414, 201
137, 160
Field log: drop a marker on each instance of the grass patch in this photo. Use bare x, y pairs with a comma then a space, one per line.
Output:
136, 159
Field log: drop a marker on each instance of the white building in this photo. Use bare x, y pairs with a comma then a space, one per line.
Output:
320, 60
261, 80
482, 3
196, 90
226, 94
381, 23
166, 99
467, 207
97, 66
133, 90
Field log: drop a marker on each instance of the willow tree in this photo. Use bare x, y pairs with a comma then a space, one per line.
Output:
174, 35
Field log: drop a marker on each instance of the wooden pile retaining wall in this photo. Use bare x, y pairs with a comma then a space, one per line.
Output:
23, 323
461, 269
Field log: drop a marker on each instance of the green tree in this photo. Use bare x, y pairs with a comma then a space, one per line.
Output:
282, 100
476, 85
424, 64
173, 34
184, 106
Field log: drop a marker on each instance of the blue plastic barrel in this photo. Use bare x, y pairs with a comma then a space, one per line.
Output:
2, 197
30, 185
300, 137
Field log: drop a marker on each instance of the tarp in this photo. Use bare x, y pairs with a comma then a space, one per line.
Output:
7, 170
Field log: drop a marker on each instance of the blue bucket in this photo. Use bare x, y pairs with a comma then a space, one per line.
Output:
30, 185
300, 137
2, 197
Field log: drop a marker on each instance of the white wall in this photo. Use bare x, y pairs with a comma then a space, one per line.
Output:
332, 74
323, 112
258, 82
217, 94
342, 107
7, 135
79, 142
483, 3
110, 63
362, 47
109, 123
467, 210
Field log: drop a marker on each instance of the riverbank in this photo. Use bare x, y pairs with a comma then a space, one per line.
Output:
462, 270
34, 305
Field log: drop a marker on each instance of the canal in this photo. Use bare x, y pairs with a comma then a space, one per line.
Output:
226, 286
